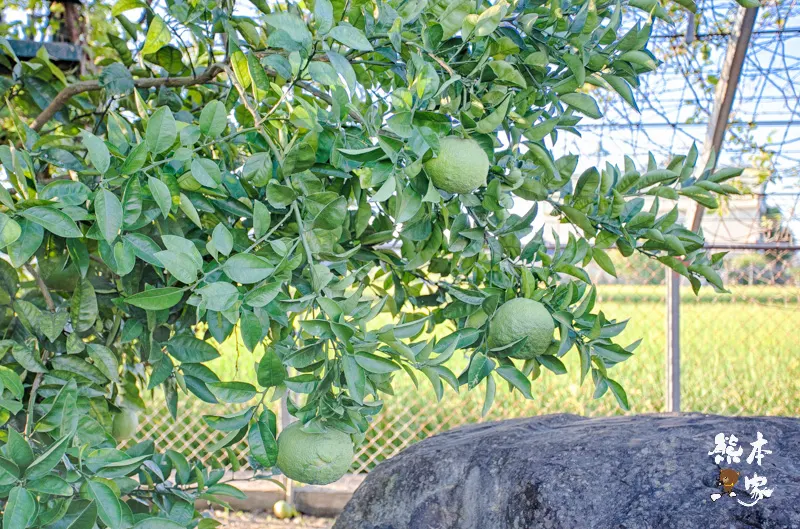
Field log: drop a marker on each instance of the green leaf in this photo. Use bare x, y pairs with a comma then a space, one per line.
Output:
108, 505
487, 22
10, 231
355, 377
28, 359
156, 298
323, 15
219, 296
553, 364
189, 210
231, 422
20, 509
619, 394
17, 448
332, 215
213, 119
115, 78
240, 68
67, 192
263, 446
270, 372
584, 103
247, 268
158, 36
505, 71
81, 514
53, 220
515, 377
122, 6
261, 219
343, 68
161, 130
30, 239
98, 152
9, 472
374, 363
51, 484
491, 122
604, 261
83, 309
622, 87
43, 464
480, 367
10, 381
263, 295
251, 329
104, 360
179, 265
190, 350
182, 469
350, 36
157, 523
292, 25
161, 195
108, 212
206, 172
79, 366
222, 239
232, 392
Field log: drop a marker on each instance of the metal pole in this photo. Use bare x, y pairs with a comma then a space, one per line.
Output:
723, 102
725, 94
673, 367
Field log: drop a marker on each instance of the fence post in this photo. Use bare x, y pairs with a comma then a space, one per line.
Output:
284, 420
673, 368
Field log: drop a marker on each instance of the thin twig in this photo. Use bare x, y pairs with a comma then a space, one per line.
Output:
48, 299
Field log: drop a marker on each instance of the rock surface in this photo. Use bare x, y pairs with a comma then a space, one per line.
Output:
570, 472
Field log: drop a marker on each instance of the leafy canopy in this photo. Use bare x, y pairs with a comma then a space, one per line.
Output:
264, 172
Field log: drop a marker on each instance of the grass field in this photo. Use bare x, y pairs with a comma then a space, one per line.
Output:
740, 355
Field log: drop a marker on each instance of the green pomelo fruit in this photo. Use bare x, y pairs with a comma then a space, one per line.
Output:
314, 458
283, 510
124, 425
461, 166
520, 318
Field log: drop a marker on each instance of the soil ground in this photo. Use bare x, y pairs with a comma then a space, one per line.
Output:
263, 520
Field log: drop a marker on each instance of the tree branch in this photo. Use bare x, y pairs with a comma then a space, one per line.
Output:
212, 71
151, 82
48, 299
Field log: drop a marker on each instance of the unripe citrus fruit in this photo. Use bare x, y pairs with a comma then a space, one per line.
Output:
314, 458
520, 318
283, 510
461, 166
124, 425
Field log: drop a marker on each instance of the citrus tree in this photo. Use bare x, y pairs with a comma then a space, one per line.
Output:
334, 179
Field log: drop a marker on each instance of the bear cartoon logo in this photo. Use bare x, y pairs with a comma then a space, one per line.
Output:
728, 478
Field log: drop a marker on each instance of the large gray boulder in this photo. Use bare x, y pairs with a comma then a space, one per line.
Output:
569, 472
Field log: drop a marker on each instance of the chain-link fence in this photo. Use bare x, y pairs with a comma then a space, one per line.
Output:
740, 355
